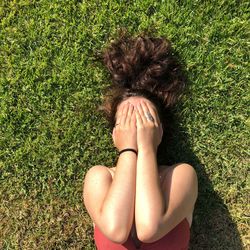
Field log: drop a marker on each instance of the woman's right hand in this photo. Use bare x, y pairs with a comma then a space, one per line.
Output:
125, 133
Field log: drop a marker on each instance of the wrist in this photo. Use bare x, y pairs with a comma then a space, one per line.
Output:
128, 150
127, 156
147, 150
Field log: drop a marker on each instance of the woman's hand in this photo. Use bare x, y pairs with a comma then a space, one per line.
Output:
149, 133
124, 133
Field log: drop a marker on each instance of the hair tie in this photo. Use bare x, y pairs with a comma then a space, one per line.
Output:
128, 149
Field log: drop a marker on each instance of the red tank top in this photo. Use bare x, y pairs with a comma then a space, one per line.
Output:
177, 239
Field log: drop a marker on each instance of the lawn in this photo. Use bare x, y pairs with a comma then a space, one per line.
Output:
51, 132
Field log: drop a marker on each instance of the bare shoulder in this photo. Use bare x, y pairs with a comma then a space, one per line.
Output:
96, 177
180, 188
95, 187
178, 167
181, 177
186, 175
97, 171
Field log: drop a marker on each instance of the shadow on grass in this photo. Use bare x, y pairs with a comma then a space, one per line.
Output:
212, 226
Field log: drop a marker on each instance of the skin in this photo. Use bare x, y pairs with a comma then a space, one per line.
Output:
136, 119
140, 202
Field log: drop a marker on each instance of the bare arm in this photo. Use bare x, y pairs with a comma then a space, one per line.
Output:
149, 206
118, 207
111, 203
159, 211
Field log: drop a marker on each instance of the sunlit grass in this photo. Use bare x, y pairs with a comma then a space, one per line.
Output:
51, 134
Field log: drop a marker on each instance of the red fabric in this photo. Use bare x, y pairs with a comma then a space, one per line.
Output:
177, 239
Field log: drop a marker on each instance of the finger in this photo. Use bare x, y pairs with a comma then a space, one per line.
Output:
146, 110
155, 114
141, 112
133, 117
139, 121
130, 110
124, 114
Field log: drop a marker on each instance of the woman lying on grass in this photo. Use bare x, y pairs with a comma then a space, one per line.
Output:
139, 204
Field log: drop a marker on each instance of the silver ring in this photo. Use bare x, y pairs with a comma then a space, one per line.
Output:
149, 117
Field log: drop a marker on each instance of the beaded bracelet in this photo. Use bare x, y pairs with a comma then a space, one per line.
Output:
128, 149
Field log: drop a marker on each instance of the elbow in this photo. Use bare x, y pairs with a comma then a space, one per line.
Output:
147, 234
118, 235
146, 238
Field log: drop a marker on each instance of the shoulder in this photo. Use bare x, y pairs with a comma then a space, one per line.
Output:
96, 175
97, 169
180, 168
181, 179
186, 171
95, 185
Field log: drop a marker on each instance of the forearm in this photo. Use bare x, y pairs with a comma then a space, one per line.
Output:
149, 202
118, 206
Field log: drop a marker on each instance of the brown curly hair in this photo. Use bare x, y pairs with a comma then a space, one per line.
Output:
142, 66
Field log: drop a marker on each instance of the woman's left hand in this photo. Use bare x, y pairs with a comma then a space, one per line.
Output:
149, 131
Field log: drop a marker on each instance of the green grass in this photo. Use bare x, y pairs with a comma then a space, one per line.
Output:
51, 134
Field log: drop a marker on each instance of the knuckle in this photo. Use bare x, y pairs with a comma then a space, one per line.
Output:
119, 128
140, 127
151, 125
127, 127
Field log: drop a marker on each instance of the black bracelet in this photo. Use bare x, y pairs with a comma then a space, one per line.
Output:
128, 149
